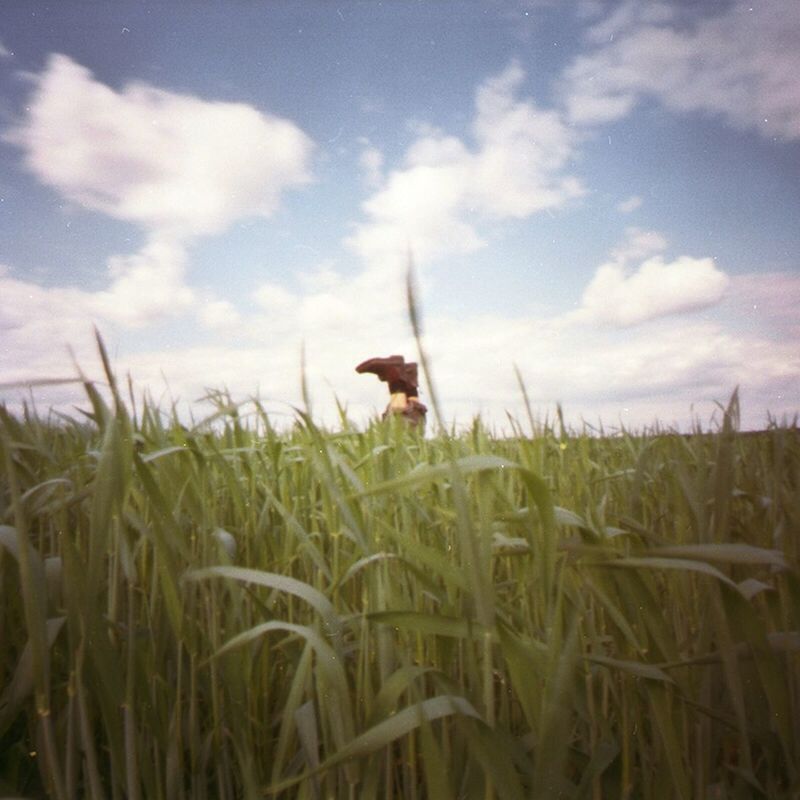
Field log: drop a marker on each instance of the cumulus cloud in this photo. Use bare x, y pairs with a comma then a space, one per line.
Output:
36, 323
218, 314
173, 163
620, 295
328, 307
145, 287
635, 375
176, 165
741, 64
40, 325
513, 170
272, 297
656, 289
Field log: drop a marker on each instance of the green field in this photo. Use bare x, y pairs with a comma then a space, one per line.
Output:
221, 610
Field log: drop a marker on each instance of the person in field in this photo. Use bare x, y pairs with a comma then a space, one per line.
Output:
403, 387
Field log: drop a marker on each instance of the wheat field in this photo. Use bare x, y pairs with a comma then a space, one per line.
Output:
223, 610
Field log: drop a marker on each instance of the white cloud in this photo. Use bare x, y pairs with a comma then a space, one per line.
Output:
443, 189
176, 165
621, 296
172, 163
145, 287
656, 289
741, 64
218, 314
629, 205
36, 323
322, 277
5, 52
273, 297
599, 370
434, 203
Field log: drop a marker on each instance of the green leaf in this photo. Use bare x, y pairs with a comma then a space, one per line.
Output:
353, 569
641, 670
669, 729
166, 451
426, 473
389, 730
403, 722
429, 624
729, 553
329, 665
271, 580
655, 562
393, 688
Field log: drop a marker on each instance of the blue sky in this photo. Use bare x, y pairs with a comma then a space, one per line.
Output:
604, 194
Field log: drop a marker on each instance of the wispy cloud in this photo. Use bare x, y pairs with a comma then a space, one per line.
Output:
741, 64
371, 162
638, 244
768, 300
629, 205
5, 52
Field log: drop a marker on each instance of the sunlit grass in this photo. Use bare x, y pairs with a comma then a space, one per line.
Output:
225, 611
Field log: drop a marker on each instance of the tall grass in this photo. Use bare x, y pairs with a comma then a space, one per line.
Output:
225, 611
